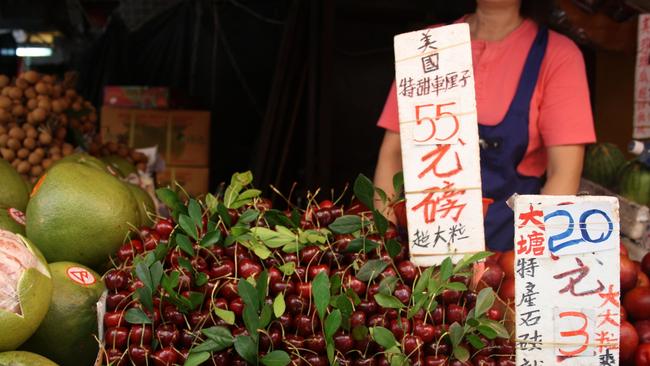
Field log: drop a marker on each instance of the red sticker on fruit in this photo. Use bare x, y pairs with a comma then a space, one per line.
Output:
81, 276
17, 215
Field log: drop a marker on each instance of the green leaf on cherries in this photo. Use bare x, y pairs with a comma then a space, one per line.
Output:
273, 238
359, 333
456, 286
320, 289
446, 269
393, 247
211, 203
484, 301
495, 326
144, 275
364, 191
144, 295
380, 222
279, 305
260, 250
423, 281
196, 359
245, 198
184, 244
221, 337
382, 195
201, 279
276, 358
226, 315
335, 284
170, 199
419, 300
456, 333
136, 316
344, 304
388, 301
371, 270
332, 323
156, 272
295, 217
475, 341
248, 216
361, 244
194, 210
266, 315
383, 337
330, 353
461, 353
288, 268
188, 226
353, 296
275, 217
398, 359
210, 238
196, 299
387, 285
185, 264
161, 251
346, 224
249, 295
398, 182
261, 286
222, 210
251, 320
472, 322
470, 259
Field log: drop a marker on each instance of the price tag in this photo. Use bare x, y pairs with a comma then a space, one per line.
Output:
642, 80
567, 290
439, 139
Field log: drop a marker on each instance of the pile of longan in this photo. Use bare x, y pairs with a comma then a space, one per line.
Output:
35, 113
99, 149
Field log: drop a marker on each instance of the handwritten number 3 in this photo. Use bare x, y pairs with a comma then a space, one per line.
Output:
554, 244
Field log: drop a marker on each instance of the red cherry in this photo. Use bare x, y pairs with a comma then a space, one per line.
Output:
172, 315
151, 240
424, 331
456, 313
316, 269
248, 268
167, 335
114, 319
399, 327
229, 290
439, 360
140, 334
402, 293
116, 337
295, 341
407, 271
355, 284
275, 275
304, 290
165, 357
164, 227
412, 346
315, 343
139, 355
343, 342
237, 306
357, 319
284, 287
117, 300
224, 268
126, 253
495, 313
116, 279
295, 304
115, 357
493, 276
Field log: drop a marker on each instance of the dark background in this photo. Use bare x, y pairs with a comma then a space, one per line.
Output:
295, 87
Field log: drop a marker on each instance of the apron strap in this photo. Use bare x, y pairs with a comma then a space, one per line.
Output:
530, 73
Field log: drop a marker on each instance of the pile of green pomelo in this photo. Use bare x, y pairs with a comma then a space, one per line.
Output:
54, 239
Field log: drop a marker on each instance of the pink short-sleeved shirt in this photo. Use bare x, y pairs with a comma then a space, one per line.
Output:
560, 110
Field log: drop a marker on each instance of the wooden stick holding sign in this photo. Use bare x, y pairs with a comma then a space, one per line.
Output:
440, 144
567, 280
642, 80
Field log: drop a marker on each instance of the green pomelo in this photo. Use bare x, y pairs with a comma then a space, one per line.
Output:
25, 290
634, 182
80, 214
122, 165
602, 163
145, 204
67, 334
22, 358
10, 224
85, 159
13, 191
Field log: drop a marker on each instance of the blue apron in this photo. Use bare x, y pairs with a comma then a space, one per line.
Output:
503, 147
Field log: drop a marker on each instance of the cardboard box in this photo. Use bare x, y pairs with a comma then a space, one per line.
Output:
182, 136
194, 180
136, 97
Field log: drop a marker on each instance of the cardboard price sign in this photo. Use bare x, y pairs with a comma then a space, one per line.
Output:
642, 80
567, 289
440, 143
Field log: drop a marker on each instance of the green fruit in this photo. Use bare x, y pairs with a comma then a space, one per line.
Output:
80, 214
7, 222
85, 159
602, 163
122, 165
14, 192
145, 204
22, 358
25, 290
634, 183
67, 334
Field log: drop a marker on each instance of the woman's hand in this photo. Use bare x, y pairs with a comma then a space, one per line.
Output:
563, 169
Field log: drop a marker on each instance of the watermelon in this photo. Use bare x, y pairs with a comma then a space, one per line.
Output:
635, 182
602, 163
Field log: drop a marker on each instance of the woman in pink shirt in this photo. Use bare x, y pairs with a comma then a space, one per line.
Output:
533, 110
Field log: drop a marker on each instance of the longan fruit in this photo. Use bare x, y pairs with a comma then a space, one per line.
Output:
22, 83
41, 87
3, 140
18, 110
3, 130
32, 104
13, 144
49, 79
56, 157
40, 152
16, 93
8, 154
57, 90
5, 102
34, 158
29, 143
22, 153
39, 114
61, 132
70, 93
31, 132
36, 170
46, 163
4, 81
45, 104
57, 107
17, 133
45, 138
31, 76
23, 167
67, 149
55, 150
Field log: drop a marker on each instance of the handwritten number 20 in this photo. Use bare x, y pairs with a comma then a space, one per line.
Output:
554, 243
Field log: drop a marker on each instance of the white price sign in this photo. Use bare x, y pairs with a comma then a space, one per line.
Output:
567, 290
439, 139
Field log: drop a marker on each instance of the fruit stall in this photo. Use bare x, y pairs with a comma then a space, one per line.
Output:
188, 196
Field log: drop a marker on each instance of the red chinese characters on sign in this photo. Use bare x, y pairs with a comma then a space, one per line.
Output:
534, 241
441, 161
